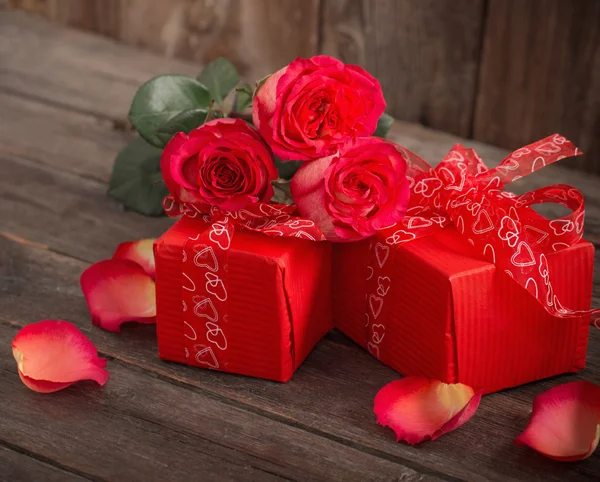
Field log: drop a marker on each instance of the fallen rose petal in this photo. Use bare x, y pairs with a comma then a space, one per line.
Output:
565, 422
141, 252
54, 354
418, 409
116, 291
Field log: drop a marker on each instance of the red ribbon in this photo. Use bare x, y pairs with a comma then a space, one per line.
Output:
204, 269
499, 225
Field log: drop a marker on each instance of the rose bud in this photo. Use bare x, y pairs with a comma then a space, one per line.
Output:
354, 193
305, 110
222, 163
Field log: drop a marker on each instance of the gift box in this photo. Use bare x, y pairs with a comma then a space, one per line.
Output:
240, 301
472, 286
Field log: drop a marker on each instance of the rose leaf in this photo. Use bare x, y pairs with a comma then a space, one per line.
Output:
136, 180
243, 98
286, 169
162, 98
383, 125
220, 77
184, 122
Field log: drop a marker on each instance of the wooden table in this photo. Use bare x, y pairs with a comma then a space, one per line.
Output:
63, 102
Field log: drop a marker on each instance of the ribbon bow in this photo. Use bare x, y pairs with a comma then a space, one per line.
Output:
204, 291
499, 225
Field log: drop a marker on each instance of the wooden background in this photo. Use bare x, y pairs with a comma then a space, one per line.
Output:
506, 72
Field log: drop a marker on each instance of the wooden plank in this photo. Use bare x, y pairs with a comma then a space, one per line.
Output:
259, 37
324, 396
540, 73
84, 72
424, 53
16, 466
66, 140
130, 429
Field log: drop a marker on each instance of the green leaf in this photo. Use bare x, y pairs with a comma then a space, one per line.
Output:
184, 122
287, 169
220, 77
136, 180
259, 84
243, 98
383, 125
162, 98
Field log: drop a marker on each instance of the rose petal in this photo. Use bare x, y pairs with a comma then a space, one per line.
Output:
54, 354
565, 422
141, 252
418, 409
116, 291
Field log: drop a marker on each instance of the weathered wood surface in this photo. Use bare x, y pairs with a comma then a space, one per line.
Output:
257, 35
425, 53
501, 71
540, 72
162, 421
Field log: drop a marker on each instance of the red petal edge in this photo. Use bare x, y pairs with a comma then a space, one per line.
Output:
418, 409
140, 252
53, 354
565, 422
117, 291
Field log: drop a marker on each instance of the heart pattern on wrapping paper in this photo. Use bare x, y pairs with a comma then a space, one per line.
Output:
205, 258
378, 333
215, 286
382, 253
562, 226
536, 234
205, 308
304, 235
509, 231
373, 349
219, 234
523, 256
215, 335
483, 223
383, 285
400, 236
428, 187
300, 224
376, 305
416, 222
205, 356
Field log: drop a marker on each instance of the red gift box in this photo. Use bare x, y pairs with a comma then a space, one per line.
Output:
452, 316
472, 285
256, 308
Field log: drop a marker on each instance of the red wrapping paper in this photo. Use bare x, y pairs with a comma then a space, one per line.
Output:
259, 311
473, 286
452, 316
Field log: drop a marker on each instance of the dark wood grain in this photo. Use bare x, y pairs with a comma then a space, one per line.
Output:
17, 466
424, 53
259, 36
540, 73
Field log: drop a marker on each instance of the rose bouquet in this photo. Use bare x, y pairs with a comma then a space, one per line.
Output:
316, 110
252, 294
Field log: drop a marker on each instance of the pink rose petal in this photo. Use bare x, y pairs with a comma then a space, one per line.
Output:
118, 290
565, 422
419, 409
54, 354
141, 252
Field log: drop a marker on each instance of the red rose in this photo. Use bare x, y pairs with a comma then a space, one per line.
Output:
355, 192
224, 163
305, 110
